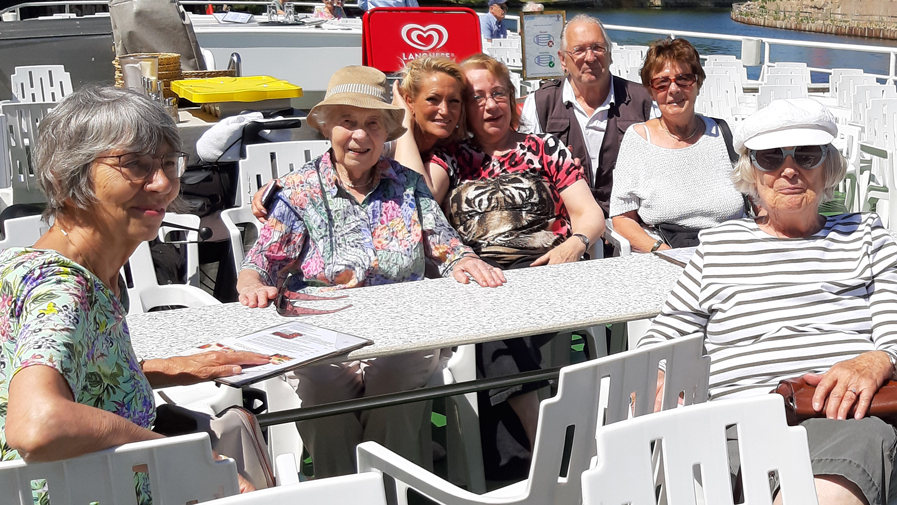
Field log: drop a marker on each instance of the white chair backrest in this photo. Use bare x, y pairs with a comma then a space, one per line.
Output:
847, 83
770, 92
863, 94
359, 489
181, 470
791, 68
234, 220
21, 137
269, 161
735, 67
718, 96
144, 290
785, 79
881, 122
712, 59
834, 80
591, 394
40, 83
694, 443
22, 231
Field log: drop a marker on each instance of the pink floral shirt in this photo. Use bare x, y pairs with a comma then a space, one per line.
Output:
323, 239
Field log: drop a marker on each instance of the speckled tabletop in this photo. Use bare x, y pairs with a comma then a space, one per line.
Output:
441, 313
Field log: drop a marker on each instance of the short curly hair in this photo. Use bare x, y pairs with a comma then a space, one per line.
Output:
666, 51
82, 127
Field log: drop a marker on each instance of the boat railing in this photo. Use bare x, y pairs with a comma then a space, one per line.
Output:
889, 52
68, 5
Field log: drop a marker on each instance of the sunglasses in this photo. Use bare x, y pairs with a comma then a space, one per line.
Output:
806, 157
681, 80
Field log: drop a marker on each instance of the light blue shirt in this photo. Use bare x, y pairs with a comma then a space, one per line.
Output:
370, 4
492, 28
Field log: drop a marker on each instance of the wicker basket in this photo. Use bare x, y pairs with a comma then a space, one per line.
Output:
207, 74
169, 70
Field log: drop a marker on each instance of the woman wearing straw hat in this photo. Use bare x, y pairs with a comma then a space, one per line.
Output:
352, 218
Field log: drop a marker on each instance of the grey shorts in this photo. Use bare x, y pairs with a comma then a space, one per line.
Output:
860, 451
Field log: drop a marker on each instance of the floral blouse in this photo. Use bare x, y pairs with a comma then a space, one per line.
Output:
54, 312
509, 207
319, 233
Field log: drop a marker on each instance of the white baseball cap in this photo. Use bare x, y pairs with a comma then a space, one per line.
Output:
786, 123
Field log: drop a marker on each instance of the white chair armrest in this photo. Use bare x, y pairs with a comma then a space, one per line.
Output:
286, 470
618, 241
374, 457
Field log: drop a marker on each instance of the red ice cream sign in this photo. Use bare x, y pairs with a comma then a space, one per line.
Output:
393, 36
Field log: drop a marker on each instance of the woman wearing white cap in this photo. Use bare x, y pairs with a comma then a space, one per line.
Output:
351, 218
794, 292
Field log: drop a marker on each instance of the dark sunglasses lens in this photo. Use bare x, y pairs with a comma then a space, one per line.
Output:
769, 159
809, 156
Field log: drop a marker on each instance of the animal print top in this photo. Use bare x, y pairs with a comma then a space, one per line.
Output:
509, 207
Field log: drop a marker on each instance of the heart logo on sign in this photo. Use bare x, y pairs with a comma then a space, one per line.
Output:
425, 37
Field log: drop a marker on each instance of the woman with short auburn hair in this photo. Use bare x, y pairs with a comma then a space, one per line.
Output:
672, 175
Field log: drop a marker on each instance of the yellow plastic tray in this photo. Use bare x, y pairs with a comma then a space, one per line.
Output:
235, 89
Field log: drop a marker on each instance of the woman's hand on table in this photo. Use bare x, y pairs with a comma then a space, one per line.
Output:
569, 251
253, 292
849, 382
185, 370
483, 273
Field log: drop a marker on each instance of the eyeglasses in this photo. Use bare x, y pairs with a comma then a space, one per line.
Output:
138, 167
580, 52
499, 96
682, 80
806, 157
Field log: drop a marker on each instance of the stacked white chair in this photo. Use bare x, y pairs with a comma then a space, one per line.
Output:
793, 68
696, 437
589, 395
40, 83
863, 94
846, 85
770, 92
181, 470
20, 131
23, 231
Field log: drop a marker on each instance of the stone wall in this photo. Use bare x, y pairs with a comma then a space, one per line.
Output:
862, 18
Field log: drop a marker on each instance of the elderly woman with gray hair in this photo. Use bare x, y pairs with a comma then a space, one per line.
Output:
109, 163
794, 293
353, 218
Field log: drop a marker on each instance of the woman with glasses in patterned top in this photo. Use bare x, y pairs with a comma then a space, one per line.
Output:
518, 200
109, 163
672, 175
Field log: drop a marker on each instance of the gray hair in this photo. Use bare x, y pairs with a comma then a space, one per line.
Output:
835, 167
325, 115
585, 18
84, 125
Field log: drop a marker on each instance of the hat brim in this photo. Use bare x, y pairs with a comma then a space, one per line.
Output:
790, 138
362, 101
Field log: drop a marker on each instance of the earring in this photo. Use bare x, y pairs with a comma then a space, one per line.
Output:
457, 126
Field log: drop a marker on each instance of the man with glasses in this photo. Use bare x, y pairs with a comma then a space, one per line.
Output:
590, 109
492, 24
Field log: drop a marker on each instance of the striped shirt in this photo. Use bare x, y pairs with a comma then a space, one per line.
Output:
773, 308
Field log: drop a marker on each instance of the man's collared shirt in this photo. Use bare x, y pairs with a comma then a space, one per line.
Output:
492, 28
592, 127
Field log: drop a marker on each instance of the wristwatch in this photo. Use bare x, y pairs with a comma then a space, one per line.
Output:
585, 240
657, 245
892, 356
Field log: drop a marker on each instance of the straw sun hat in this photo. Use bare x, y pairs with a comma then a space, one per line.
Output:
362, 87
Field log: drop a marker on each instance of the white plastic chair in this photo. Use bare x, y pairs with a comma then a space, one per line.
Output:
589, 394
770, 92
846, 85
834, 81
144, 290
237, 221
696, 437
358, 489
283, 439
23, 231
269, 161
863, 94
181, 470
40, 83
21, 134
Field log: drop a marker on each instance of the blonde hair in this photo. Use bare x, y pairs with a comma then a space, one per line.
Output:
499, 70
743, 175
420, 68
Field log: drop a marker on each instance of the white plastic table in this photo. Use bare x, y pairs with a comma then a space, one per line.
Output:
441, 313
